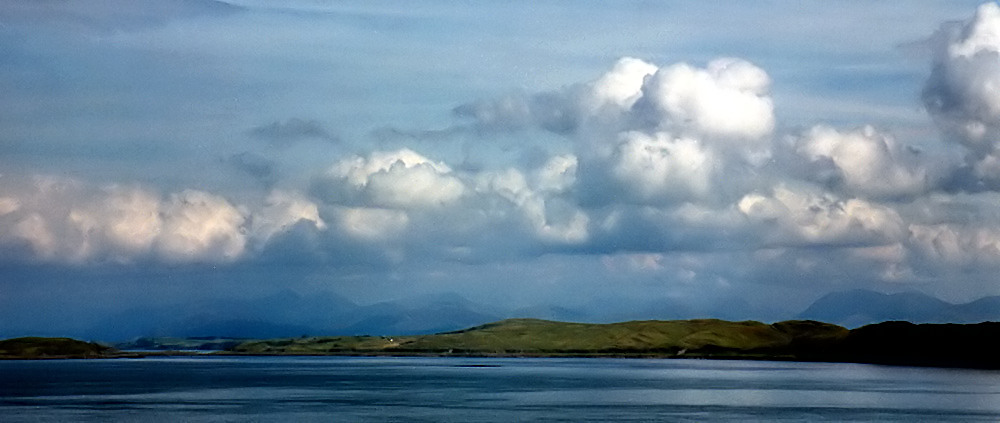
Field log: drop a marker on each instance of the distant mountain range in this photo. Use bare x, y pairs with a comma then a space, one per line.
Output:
861, 307
289, 314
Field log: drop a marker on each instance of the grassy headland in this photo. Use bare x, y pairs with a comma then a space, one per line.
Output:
531, 337
900, 343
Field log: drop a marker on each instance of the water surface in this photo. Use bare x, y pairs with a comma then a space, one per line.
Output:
468, 389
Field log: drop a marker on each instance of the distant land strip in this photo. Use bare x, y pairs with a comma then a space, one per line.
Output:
895, 343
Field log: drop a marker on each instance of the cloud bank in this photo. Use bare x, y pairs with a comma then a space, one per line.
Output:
649, 177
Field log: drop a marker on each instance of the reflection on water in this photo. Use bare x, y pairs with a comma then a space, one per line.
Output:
466, 389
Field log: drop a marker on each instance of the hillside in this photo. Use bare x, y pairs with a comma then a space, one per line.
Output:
532, 337
39, 348
898, 343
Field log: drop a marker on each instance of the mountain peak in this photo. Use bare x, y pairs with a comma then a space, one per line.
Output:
860, 307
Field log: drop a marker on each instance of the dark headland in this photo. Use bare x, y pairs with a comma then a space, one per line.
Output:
896, 343
33, 348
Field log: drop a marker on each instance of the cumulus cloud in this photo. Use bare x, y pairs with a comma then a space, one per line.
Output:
675, 154
604, 101
963, 91
557, 175
551, 219
395, 179
867, 162
372, 224
126, 222
61, 220
620, 87
654, 135
957, 245
199, 225
283, 209
33, 230
661, 167
729, 98
803, 217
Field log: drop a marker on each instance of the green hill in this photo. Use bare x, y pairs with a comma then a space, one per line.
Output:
37, 348
531, 337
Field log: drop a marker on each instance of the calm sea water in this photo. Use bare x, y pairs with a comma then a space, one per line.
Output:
465, 389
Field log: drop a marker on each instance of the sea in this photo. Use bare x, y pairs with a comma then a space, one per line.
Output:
447, 389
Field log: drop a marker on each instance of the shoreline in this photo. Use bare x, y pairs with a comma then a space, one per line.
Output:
126, 355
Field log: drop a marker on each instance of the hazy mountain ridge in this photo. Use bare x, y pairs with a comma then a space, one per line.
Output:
860, 307
288, 314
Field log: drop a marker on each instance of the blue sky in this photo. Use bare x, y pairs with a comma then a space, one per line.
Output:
736, 159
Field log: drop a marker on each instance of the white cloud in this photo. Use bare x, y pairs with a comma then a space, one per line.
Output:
122, 224
9, 205
34, 230
605, 101
795, 217
396, 179
283, 209
420, 185
201, 226
67, 221
557, 175
550, 219
620, 87
661, 167
372, 224
729, 99
963, 91
957, 245
870, 163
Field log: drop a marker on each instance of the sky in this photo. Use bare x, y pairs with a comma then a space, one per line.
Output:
722, 159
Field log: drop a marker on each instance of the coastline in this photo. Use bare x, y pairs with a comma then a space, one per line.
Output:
888, 343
